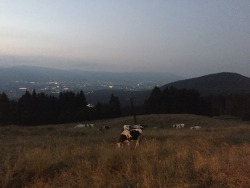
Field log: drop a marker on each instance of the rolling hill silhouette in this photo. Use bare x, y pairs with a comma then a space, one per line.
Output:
224, 83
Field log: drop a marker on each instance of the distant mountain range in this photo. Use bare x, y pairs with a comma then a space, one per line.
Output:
97, 86
224, 83
33, 73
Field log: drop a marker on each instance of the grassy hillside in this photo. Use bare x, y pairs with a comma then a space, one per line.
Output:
63, 156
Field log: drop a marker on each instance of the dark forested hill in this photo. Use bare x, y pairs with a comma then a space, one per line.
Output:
215, 84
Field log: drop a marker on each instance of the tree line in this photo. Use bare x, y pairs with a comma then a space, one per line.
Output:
172, 100
39, 108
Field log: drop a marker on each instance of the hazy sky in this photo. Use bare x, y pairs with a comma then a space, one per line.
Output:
186, 37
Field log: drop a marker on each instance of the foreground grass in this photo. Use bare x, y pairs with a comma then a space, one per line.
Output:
62, 156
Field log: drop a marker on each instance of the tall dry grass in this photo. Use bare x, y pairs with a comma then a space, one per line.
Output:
62, 156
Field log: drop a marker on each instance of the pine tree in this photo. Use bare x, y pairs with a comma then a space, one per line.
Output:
114, 106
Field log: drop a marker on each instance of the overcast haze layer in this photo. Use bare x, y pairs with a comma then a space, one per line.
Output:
186, 37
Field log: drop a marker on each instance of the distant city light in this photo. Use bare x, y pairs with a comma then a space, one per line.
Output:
23, 88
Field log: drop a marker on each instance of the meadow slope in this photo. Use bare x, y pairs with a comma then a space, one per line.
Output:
63, 156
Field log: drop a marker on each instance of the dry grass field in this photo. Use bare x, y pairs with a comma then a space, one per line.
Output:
217, 155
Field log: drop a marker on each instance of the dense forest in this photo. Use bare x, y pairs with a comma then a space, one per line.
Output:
172, 100
39, 108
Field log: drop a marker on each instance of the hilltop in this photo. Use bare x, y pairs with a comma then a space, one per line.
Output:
215, 84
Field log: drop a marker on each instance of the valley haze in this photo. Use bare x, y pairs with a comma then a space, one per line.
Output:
15, 80
98, 86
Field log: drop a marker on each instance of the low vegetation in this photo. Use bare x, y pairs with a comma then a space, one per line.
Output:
217, 155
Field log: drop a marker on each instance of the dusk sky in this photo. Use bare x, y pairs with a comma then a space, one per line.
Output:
186, 37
